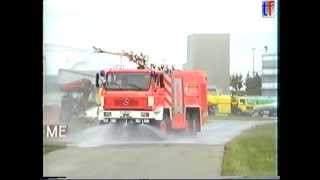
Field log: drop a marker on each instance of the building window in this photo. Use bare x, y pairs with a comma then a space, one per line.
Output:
269, 71
269, 85
269, 78
269, 64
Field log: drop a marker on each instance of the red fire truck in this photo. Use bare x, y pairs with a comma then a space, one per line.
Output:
170, 101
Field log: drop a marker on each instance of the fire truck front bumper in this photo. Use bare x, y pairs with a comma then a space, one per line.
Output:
130, 117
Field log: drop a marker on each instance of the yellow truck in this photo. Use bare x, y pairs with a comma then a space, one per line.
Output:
225, 104
240, 105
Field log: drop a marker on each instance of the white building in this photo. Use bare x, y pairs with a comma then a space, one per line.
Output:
269, 75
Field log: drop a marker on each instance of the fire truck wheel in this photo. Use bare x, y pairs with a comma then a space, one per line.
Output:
192, 127
192, 124
163, 127
166, 118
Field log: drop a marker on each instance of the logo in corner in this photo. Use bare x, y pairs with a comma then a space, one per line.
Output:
268, 8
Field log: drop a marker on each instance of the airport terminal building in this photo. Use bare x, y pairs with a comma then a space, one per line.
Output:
211, 53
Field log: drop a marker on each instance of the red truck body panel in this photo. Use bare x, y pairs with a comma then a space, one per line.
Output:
191, 92
195, 92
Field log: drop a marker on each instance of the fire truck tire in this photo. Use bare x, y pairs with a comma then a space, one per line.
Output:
101, 122
164, 125
193, 128
166, 118
192, 123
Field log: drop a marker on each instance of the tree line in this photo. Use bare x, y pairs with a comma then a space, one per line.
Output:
251, 84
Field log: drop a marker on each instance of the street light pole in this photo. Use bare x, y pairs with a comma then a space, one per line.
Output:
253, 49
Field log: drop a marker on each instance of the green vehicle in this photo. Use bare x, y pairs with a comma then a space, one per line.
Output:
269, 110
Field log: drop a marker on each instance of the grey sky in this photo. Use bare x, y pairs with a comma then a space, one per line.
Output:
160, 28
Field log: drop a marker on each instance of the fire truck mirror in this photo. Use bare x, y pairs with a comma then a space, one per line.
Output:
97, 80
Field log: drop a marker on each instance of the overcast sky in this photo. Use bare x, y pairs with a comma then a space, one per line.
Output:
160, 28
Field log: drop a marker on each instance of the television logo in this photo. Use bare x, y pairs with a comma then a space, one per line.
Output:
55, 131
268, 8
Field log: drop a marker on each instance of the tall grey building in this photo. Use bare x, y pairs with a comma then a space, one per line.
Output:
211, 53
269, 75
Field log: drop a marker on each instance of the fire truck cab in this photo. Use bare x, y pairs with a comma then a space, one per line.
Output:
175, 100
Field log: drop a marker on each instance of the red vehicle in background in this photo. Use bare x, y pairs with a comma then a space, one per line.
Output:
79, 93
170, 101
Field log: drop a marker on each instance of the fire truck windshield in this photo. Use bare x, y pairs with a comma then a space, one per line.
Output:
128, 81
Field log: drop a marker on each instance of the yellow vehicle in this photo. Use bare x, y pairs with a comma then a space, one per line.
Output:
240, 105
219, 104
225, 104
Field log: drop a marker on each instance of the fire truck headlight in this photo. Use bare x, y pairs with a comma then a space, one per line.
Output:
146, 120
113, 120
144, 114
150, 100
138, 120
107, 114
